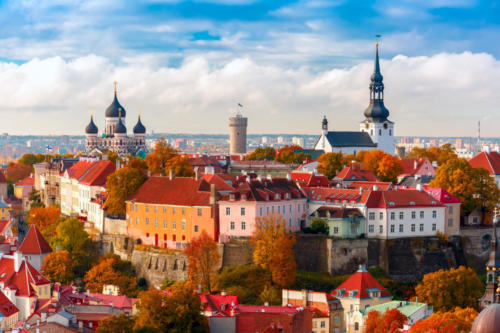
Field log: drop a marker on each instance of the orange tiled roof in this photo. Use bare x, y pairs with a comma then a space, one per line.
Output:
489, 161
98, 173
34, 243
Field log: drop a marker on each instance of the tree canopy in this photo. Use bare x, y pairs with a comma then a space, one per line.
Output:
203, 259
58, 266
17, 171
120, 323
435, 154
457, 321
107, 271
120, 185
392, 321
385, 166
261, 154
330, 164
159, 159
45, 219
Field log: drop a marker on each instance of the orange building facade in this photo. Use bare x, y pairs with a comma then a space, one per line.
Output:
168, 213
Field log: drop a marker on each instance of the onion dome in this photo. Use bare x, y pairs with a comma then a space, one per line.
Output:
139, 127
376, 111
115, 108
91, 127
120, 128
488, 320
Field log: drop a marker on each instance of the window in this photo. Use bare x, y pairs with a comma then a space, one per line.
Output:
260, 211
434, 227
156, 223
413, 228
298, 208
371, 228
147, 220
164, 224
231, 225
401, 228
183, 224
393, 216
200, 211
156, 209
272, 209
290, 208
434, 214
380, 229
421, 227
450, 209
381, 216
290, 223
243, 225
336, 230
413, 215
195, 228
356, 326
183, 211
174, 225
401, 215
279, 209
390, 132
137, 220
421, 214
267, 210
304, 207
147, 208
164, 209
242, 211
323, 324
392, 228
228, 211
379, 132
450, 222
173, 210
371, 216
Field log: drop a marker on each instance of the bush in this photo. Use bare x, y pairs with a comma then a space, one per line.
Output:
247, 282
315, 281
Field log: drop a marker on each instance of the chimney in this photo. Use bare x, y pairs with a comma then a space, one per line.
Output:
213, 194
419, 187
360, 190
80, 326
415, 164
197, 173
304, 297
18, 259
209, 170
88, 292
149, 173
223, 293
269, 177
171, 174
375, 187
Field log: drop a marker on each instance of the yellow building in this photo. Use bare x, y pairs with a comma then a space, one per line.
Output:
5, 210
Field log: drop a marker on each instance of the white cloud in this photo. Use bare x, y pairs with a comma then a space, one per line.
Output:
444, 94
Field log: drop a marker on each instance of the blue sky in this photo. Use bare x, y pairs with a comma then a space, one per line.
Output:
294, 60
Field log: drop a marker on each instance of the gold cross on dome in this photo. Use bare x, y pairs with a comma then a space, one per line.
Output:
115, 83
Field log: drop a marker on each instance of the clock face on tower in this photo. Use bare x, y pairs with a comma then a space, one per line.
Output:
386, 125
367, 125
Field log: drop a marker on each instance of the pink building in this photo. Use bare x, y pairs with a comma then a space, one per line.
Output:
258, 198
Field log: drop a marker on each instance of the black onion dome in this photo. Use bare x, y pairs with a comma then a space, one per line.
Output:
91, 127
376, 111
115, 109
139, 127
488, 320
120, 128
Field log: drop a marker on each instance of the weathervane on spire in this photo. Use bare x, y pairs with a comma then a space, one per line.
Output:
115, 83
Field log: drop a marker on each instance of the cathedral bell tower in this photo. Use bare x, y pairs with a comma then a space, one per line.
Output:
376, 123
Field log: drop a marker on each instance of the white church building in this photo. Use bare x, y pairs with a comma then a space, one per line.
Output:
376, 131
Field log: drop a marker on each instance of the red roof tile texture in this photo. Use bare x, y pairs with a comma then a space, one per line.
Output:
28, 181
34, 243
98, 173
360, 283
489, 161
349, 173
2, 178
7, 308
401, 198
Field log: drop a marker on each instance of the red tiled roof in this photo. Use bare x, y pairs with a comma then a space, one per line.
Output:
119, 302
2, 178
181, 191
22, 280
258, 190
441, 194
221, 184
349, 173
359, 283
489, 161
4, 225
401, 198
28, 181
79, 169
336, 194
384, 186
309, 179
7, 308
250, 319
98, 173
214, 303
34, 243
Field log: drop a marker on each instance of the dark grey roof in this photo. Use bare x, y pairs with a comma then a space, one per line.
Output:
139, 127
414, 181
120, 128
350, 139
115, 109
91, 127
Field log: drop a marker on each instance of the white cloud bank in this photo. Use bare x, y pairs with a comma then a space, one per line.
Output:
445, 94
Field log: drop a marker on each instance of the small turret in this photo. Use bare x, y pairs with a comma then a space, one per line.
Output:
91, 128
139, 127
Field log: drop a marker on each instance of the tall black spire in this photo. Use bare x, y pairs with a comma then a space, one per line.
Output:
376, 111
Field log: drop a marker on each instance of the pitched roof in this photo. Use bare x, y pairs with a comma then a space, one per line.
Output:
218, 303
359, 284
2, 178
4, 225
22, 280
405, 307
310, 179
28, 181
350, 139
412, 165
441, 194
324, 194
366, 185
98, 173
267, 189
119, 302
350, 173
3, 204
7, 308
221, 184
489, 161
338, 212
182, 191
79, 169
34, 243
401, 198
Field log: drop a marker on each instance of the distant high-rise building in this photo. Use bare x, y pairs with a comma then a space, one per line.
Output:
298, 141
264, 140
238, 134
280, 140
459, 144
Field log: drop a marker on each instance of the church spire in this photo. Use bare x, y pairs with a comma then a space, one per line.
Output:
376, 111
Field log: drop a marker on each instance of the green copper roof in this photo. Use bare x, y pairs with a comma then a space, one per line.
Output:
405, 307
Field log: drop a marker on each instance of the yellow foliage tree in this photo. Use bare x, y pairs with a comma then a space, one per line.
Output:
458, 321
104, 273
330, 164
159, 158
120, 185
203, 259
46, 219
447, 289
53, 264
274, 249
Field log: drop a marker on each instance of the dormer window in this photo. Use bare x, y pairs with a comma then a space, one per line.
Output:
231, 196
243, 197
412, 203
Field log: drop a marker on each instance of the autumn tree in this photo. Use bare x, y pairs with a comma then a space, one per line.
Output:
435, 154
288, 155
45, 219
447, 289
261, 154
105, 272
391, 321
120, 185
17, 171
176, 310
330, 164
458, 321
58, 266
159, 159
181, 167
120, 323
30, 159
389, 168
34, 198
137, 163
273, 245
203, 259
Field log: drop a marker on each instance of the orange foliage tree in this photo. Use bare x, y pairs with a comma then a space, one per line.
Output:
181, 166
106, 273
158, 160
391, 321
17, 171
120, 185
58, 267
287, 155
121, 323
46, 219
274, 249
459, 321
203, 259
435, 154
385, 166
447, 289
330, 164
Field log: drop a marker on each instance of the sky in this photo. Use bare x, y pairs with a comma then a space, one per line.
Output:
187, 64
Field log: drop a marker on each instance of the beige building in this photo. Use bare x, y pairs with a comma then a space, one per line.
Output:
238, 134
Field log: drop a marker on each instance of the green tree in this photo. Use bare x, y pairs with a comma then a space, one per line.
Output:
120, 185
330, 164
319, 226
35, 199
261, 154
116, 324
30, 159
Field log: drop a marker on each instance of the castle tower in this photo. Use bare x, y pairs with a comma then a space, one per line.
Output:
238, 134
376, 124
492, 270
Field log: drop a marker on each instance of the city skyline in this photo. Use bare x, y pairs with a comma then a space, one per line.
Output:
186, 65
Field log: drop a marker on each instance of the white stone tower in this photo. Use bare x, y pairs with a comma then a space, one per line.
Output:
238, 134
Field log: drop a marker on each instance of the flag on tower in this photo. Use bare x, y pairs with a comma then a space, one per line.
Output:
239, 104
48, 148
